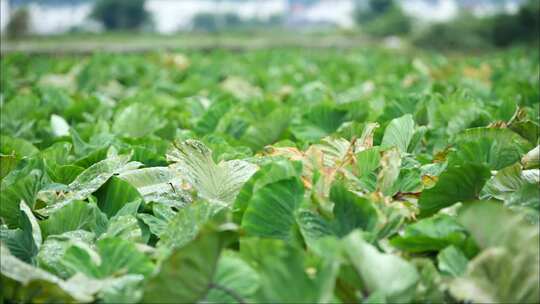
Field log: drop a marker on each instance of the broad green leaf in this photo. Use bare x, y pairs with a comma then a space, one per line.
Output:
157, 184
313, 226
16, 146
156, 225
64, 174
217, 182
125, 227
112, 255
210, 119
431, 234
351, 211
124, 289
267, 131
24, 189
271, 210
505, 182
75, 216
53, 249
269, 173
456, 184
399, 133
115, 194
87, 182
42, 283
186, 224
494, 147
367, 162
408, 181
137, 120
235, 281
498, 276
431, 287
283, 275
24, 242
526, 196
320, 121
387, 274
514, 186
508, 269
7, 164
452, 261
478, 218
186, 275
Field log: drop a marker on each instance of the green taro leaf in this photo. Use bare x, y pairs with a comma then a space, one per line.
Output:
24, 189
508, 268
7, 164
16, 146
452, 261
210, 119
186, 224
115, 194
137, 120
283, 275
320, 121
456, 184
125, 227
351, 211
24, 242
387, 274
65, 174
217, 182
271, 210
186, 275
157, 184
399, 133
124, 289
112, 256
497, 148
267, 174
41, 283
267, 131
313, 226
235, 281
75, 216
53, 249
514, 186
87, 182
431, 234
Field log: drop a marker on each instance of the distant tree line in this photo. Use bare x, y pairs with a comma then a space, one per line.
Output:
214, 22
380, 18
121, 14
500, 30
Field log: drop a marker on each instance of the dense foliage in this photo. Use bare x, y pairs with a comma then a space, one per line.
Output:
470, 32
360, 176
19, 23
120, 14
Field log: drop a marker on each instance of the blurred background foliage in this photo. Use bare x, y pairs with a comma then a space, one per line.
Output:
374, 20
